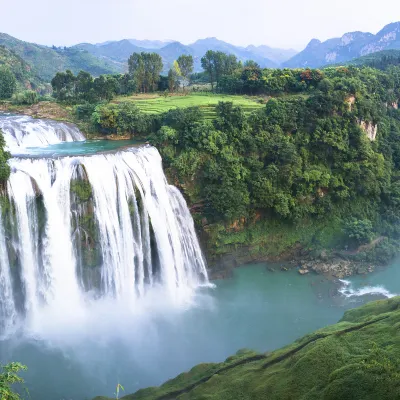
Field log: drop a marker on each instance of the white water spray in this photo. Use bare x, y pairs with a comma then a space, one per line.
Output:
143, 232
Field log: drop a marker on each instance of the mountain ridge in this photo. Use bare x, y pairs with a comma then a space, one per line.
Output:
349, 46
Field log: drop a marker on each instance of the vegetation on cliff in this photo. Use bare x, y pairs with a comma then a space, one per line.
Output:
358, 358
4, 157
316, 155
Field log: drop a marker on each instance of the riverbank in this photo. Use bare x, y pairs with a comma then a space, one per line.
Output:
335, 362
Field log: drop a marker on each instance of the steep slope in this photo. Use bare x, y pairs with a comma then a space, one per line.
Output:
23, 72
358, 358
349, 46
46, 62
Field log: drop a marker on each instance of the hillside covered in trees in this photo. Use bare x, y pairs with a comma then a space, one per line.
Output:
317, 165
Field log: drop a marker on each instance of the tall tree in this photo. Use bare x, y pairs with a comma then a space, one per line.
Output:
145, 69
173, 76
137, 70
207, 63
8, 83
185, 63
63, 85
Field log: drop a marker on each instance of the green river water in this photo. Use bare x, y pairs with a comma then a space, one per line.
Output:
256, 309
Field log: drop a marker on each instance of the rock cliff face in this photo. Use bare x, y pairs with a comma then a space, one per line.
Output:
370, 129
357, 358
350, 45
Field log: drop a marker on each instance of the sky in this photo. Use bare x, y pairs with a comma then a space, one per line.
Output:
277, 23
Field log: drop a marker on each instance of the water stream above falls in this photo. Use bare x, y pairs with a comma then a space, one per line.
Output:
102, 279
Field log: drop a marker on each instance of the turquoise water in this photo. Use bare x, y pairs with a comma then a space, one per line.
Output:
77, 148
256, 309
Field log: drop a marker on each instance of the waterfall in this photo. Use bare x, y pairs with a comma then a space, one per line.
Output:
22, 132
81, 229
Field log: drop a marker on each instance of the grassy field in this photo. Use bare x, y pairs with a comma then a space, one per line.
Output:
156, 104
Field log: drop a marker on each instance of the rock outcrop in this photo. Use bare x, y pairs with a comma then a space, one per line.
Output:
370, 129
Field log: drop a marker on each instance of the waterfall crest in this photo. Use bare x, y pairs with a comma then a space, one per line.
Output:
78, 229
22, 132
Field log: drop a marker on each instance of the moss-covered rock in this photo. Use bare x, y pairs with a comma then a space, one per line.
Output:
357, 358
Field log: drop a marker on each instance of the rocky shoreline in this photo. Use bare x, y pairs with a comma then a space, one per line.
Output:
336, 265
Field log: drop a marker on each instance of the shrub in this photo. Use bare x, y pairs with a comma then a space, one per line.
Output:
359, 230
27, 97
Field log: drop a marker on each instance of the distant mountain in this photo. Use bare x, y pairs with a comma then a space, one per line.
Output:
278, 56
23, 72
201, 46
349, 46
45, 62
120, 51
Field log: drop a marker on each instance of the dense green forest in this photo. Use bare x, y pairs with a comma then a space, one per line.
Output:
317, 165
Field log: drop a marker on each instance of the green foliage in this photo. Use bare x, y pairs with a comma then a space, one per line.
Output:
120, 118
4, 157
9, 377
145, 69
27, 97
44, 62
185, 63
8, 83
82, 189
26, 78
73, 89
361, 231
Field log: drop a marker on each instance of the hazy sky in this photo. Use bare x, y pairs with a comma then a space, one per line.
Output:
278, 23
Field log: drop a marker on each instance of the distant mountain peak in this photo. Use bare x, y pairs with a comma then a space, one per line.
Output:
314, 42
351, 45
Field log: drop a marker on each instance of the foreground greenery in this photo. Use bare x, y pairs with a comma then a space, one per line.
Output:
356, 359
9, 377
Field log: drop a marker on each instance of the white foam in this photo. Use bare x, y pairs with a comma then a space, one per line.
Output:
348, 291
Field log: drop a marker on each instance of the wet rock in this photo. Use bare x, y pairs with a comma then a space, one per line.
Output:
303, 271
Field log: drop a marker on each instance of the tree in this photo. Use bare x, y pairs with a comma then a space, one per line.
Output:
8, 83
207, 63
360, 230
84, 86
173, 77
185, 63
145, 69
63, 85
8, 377
105, 87
137, 70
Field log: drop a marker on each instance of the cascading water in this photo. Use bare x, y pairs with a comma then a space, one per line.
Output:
76, 230
21, 132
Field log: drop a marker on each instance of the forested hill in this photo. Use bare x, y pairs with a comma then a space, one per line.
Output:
24, 75
357, 358
45, 62
380, 60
